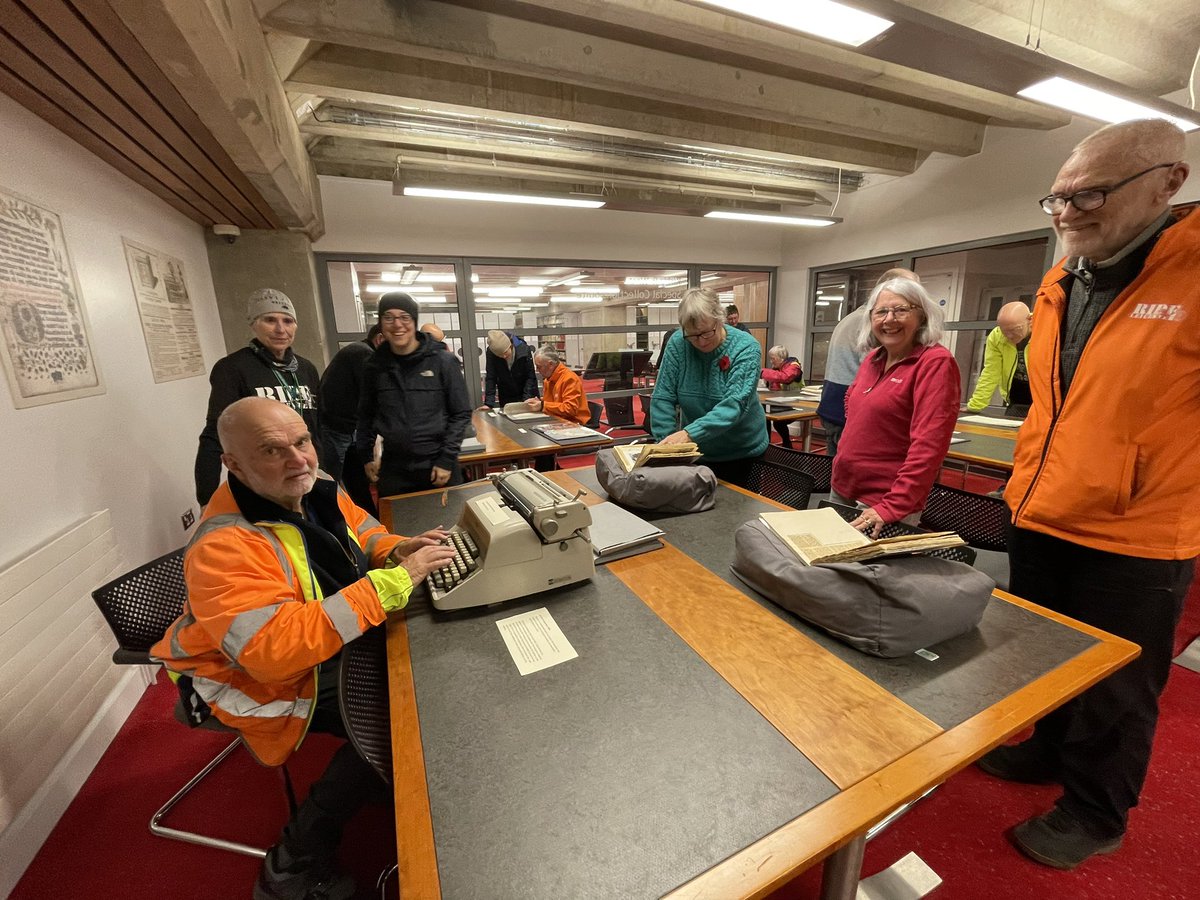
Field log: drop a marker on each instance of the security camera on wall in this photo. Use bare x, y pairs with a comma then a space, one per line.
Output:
230, 232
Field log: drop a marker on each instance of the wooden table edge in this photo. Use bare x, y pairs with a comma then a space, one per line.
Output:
777, 858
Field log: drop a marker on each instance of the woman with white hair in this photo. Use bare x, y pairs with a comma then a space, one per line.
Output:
782, 371
706, 389
900, 409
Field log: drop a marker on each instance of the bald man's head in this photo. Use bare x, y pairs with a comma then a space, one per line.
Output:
898, 273
1013, 320
267, 446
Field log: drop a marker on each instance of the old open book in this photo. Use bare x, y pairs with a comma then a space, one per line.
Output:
633, 456
822, 536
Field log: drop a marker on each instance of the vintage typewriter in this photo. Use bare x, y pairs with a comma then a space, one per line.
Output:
528, 536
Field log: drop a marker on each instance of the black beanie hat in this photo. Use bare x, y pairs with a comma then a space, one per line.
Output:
401, 301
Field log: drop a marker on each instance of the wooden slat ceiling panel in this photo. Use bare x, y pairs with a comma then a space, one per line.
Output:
77, 66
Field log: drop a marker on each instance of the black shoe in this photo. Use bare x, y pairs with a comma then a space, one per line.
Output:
1019, 762
300, 879
1060, 840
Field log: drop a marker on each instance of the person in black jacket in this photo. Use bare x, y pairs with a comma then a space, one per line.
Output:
414, 395
510, 376
341, 387
266, 368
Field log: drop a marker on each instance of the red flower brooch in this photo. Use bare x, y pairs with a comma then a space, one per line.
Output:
723, 363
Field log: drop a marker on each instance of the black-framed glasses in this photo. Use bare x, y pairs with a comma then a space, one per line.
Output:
1092, 198
701, 337
402, 318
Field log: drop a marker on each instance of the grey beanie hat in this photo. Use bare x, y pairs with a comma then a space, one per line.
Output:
268, 300
401, 301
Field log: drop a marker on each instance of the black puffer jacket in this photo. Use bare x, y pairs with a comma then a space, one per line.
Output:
510, 384
418, 403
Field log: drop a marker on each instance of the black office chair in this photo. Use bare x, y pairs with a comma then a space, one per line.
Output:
780, 483
363, 699
139, 606
819, 466
981, 521
893, 529
596, 408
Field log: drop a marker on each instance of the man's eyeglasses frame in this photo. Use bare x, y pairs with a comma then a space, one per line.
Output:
1091, 198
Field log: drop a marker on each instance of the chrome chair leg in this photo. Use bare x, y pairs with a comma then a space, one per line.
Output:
190, 837
382, 880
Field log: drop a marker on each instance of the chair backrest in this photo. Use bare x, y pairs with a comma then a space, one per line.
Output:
140, 605
780, 483
981, 521
363, 699
644, 403
596, 408
957, 554
819, 466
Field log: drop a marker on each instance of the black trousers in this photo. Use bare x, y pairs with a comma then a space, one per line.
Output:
735, 471
1101, 740
410, 478
347, 784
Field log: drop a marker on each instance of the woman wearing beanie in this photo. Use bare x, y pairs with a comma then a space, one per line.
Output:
266, 368
415, 397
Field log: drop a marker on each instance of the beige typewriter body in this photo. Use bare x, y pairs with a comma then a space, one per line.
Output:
528, 536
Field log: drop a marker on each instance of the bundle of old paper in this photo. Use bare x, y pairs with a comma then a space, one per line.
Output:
634, 456
823, 536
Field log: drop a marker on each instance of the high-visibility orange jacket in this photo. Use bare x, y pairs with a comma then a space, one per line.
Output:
563, 396
1113, 465
256, 626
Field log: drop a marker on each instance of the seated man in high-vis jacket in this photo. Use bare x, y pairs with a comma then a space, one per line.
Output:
282, 572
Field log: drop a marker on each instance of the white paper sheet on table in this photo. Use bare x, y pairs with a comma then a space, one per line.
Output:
535, 641
992, 420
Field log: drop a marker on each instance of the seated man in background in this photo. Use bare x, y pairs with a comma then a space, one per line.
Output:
281, 573
436, 335
782, 371
562, 389
733, 317
1004, 361
509, 376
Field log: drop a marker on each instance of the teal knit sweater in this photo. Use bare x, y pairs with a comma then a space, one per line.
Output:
719, 406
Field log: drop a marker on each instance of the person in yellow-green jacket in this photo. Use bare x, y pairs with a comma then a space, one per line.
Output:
1004, 361
283, 571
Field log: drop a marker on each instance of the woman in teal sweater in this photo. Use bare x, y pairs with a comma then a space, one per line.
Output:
706, 390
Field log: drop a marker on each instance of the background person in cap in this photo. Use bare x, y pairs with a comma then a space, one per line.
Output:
509, 373
266, 368
415, 397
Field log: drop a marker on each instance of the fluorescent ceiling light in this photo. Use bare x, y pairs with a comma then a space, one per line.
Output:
431, 299
1087, 101
405, 289
709, 277
534, 281
435, 278
822, 303
390, 276
533, 305
821, 18
664, 304
834, 298
502, 301
771, 219
508, 290
500, 198
576, 299
595, 289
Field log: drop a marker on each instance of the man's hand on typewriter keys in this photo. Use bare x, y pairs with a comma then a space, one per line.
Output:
426, 560
437, 535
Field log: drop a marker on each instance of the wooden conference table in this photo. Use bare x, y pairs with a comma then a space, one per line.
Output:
704, 743
791, 407
505, 440
986, 445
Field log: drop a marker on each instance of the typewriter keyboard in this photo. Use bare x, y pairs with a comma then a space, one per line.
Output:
466, 556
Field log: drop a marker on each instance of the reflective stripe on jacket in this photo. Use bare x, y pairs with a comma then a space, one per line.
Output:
256, 625
1113, 465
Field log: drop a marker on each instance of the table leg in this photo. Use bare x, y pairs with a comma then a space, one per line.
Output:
806, 431
841, 871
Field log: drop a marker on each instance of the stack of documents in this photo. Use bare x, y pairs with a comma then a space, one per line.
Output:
617, 533
822, 536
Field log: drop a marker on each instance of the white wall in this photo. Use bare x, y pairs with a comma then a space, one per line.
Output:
364, 217
129, 450
948, 200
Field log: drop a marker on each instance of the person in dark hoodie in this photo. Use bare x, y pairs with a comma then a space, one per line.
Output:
509, 373
414, 396
266, 368
341, 386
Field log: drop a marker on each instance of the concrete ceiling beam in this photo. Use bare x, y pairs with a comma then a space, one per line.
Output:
386, 79
216, 56
436, 31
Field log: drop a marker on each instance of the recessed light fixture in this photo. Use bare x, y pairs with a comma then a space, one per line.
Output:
508, 290
434, 278
405, 289
595, 289
820, 18
772, 219
574, 299
430, 299
487, 196
1095, 104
